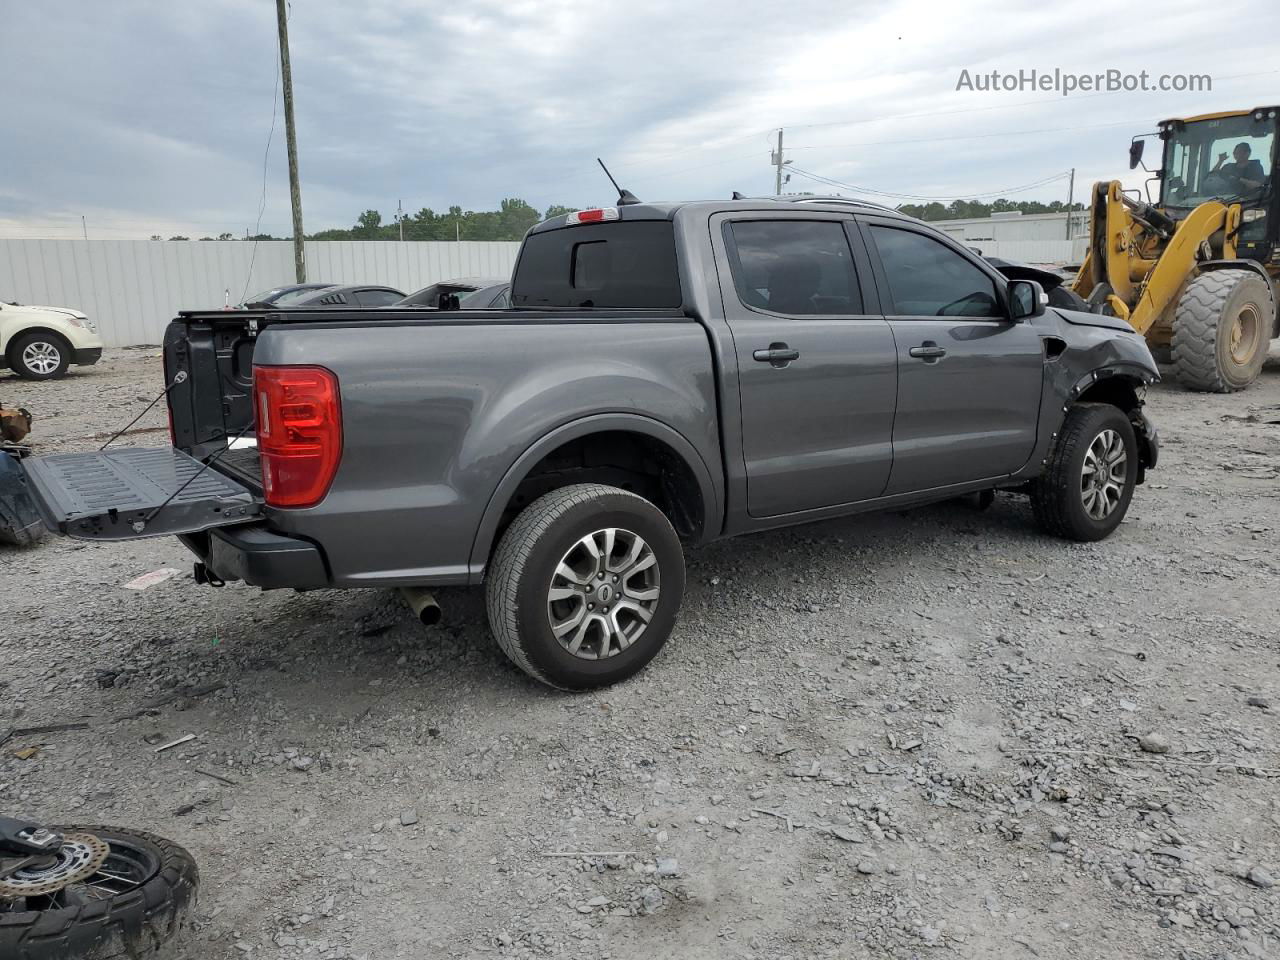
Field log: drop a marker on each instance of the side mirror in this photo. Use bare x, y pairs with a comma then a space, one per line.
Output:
1027, 299
1135, 153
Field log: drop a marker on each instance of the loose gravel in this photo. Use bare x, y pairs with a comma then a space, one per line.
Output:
881, 736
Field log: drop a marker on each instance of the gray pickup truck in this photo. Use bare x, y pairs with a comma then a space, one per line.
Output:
667, 374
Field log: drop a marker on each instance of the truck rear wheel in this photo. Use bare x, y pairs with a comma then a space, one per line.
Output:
1088, 482
1222, 329
585, 586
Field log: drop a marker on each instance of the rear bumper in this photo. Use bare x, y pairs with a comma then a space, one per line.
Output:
259, 557
87, 356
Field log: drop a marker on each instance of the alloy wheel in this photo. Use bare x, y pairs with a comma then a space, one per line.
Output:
1104, 475
603, 593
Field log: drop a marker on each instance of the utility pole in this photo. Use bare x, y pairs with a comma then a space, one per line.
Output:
400, 219
290, 135
777, 163
1071, 192
84, 226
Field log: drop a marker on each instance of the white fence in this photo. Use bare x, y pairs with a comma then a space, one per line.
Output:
132, 288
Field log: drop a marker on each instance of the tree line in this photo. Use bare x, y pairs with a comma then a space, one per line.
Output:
974, 209
514, 217
509, 222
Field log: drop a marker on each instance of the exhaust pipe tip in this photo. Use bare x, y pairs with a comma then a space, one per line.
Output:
423, 604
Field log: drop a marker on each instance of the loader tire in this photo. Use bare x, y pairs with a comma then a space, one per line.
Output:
585, 586
1221, 330
132, 923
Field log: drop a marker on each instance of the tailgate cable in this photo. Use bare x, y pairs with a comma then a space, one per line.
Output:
179, 377
140, 525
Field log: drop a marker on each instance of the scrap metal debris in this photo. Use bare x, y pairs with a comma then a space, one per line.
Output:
148, 580
185, 738
49, 728
15, 423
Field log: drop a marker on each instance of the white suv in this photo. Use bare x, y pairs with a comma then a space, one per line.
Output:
39, 343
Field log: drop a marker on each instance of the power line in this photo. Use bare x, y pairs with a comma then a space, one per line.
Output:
973, 136
1004, 106
830, 181
771, 131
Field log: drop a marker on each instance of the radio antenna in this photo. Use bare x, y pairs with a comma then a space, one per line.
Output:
625, 197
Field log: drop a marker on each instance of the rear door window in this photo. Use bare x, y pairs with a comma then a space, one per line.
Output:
796, 268
625, 263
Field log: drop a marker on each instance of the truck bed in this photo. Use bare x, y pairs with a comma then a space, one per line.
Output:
437, 408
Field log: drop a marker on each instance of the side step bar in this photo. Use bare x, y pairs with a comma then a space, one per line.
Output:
131, 492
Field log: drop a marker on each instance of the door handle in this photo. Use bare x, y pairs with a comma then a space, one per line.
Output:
928, 351
778, 354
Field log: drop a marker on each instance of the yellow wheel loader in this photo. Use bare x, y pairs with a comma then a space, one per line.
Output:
1196, 272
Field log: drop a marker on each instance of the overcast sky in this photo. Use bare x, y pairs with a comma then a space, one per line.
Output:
153, 117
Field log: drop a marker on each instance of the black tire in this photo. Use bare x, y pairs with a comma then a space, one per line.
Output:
520, 577
1058, 496
50, 344
132, 925
1222, 330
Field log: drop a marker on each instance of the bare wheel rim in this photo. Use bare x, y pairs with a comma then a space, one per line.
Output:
41, 357
603, 593
1104, 475
1244, 334
127, 866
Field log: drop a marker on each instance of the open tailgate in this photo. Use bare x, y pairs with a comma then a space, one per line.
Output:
133, 492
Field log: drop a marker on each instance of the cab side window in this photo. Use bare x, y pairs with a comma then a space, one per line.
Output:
929, 279
794, 267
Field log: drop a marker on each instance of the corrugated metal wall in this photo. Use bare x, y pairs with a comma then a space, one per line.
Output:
1034, 238
132, 288
1060, 252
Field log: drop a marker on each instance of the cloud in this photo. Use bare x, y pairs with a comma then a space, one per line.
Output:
153, 116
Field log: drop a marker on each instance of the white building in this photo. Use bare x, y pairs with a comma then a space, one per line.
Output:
1032, 237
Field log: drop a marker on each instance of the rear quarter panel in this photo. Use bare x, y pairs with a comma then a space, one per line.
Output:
436, 415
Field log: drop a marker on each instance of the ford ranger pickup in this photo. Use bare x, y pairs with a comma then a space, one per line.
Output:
667, 374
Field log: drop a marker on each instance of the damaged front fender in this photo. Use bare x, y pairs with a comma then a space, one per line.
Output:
1091, 362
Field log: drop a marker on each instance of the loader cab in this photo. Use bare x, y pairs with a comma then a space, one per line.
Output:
1230, 157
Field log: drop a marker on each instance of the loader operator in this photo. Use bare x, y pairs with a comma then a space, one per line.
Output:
1244, 175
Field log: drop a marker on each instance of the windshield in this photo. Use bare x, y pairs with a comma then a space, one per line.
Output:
293, 295
1226, 159
285, 294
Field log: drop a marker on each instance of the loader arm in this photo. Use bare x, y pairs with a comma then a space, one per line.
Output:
1145, 271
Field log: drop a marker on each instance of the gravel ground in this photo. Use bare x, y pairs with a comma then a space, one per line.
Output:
884, 736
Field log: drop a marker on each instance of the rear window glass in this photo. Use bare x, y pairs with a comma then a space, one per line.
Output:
630, 264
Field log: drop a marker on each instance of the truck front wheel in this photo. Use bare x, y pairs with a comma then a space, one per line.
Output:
585, 586
1088, 482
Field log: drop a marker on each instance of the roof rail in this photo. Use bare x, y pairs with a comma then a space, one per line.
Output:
848, 201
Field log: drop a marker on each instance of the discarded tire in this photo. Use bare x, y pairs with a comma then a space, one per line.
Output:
136, 904
1222, 329
585, 586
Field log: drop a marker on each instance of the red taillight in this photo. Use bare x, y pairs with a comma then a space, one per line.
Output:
299, 432
592, 216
